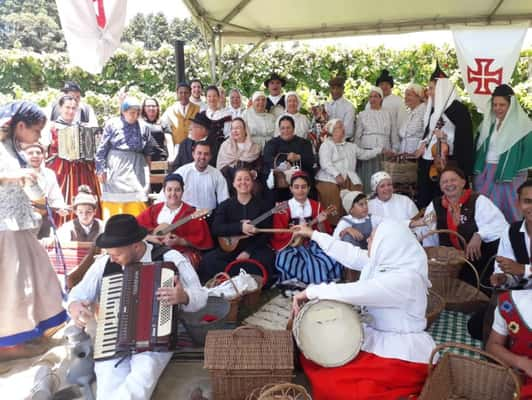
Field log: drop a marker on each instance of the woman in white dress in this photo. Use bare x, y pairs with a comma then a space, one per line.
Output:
374, 130
260, 123
413, 127
387, 204
293, 105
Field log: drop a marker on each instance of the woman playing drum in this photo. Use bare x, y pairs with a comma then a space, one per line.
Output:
393, 287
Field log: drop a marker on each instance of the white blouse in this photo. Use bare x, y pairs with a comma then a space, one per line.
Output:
261, 126
374, 129
398, 207
412, 129
341, 159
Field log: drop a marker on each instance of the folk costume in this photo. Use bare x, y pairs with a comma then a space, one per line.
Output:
513, 318
341, 109
455, 121
260, 125
399, 206
474, 213
196, 231
302, 123
227, 221
122, 156
176, 120
412, 129
503, 155
306, 262
136, 376
31, 294
393, 288
275, 104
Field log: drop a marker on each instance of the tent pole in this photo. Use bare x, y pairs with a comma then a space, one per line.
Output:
239, 62
213, 56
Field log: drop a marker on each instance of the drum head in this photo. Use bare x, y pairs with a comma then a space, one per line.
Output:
328, 332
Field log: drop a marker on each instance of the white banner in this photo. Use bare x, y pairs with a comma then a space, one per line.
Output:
487, 57
92, 30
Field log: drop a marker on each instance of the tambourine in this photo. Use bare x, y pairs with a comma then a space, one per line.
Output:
328, 332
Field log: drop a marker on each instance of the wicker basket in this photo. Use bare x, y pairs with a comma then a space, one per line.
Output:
435, 305
195, 324
220, 277
250, 298
444, 260
402, 171
247, 358
282, 177
461, 377
281, 391
459, 295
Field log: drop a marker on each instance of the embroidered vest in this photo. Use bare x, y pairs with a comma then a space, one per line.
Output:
519, 333
467, 226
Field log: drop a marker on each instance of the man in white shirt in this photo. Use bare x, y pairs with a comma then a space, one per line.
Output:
205, 186
275, 102
196, 90
134, 377
340, 108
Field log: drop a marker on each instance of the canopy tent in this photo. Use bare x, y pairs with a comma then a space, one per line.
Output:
257, 21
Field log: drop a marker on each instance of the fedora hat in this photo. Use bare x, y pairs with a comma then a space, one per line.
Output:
201, 119
121, 230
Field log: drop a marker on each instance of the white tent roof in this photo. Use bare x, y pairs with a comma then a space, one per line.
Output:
247, 21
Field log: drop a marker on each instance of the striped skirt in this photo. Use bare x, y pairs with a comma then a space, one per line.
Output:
307, 263
503, 194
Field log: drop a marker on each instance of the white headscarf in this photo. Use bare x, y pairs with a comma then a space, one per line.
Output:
395, 248
444, 95
377, 90
377, 178
515, 126
417, 89
257, 94
329, 126
287, 95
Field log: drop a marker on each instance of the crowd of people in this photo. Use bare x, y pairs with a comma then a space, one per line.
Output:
300, 199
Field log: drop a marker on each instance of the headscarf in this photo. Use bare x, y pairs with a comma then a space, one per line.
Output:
85, 196
130, 102
445, 94
22, 111
395, 248
378, 90
348, 198
514, 127
230, 152
257, 94
377, 178
329, 126
294, 94
417, 89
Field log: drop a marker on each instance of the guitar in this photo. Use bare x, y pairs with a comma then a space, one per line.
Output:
164, 229
298, 240
230, 243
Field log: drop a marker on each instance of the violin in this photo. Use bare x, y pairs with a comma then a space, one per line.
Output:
440, 152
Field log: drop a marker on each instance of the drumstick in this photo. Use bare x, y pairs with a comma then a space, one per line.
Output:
274, 230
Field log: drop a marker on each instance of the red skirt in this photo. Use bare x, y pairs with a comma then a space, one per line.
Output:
526, 389
367, 377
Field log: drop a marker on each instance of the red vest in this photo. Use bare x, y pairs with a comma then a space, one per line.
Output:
519, 333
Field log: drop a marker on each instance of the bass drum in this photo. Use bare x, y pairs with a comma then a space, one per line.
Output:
328, 332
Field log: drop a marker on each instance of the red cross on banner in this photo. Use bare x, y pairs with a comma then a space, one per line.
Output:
483, 76
100, 13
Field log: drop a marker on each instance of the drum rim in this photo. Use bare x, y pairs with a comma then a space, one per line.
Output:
295, 333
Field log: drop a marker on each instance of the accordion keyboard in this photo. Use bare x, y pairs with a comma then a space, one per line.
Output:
107, 324
165, 311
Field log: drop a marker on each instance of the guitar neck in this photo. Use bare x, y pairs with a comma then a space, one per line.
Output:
262, 217
175, 225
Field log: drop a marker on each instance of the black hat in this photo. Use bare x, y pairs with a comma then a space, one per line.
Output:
275, 77
384, 77
438, 73
202, 119
503, 90
71, 86
121, 230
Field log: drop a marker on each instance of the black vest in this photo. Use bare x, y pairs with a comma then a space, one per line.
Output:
467, 226
157, 253
517, 240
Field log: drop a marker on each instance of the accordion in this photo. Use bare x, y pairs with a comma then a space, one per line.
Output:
130, 318
78, 142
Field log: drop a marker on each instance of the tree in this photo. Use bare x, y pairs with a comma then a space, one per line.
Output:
31, 25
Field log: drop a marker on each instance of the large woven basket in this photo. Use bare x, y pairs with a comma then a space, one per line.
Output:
465, 378
402, 171
281, 391
435, 305
444, 260
459, 295
247, 358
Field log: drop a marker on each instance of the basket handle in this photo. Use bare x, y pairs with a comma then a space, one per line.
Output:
448, 231
492, 288
462, 346
263, 271
248, 327
276, 157
217, 278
